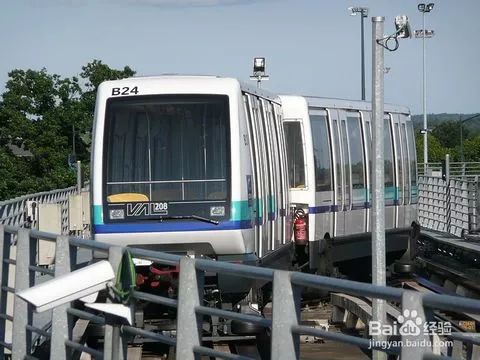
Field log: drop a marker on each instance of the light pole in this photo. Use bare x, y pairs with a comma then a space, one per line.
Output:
424, 8
363, 11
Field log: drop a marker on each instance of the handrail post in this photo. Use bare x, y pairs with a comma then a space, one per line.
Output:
285, 314
21, 338
415, 343
190, 295
62, 324
114, 346
477, 203
448, 197
4, 274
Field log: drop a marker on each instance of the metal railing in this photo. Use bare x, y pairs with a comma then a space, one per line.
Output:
285, 324
457, 169
20, 212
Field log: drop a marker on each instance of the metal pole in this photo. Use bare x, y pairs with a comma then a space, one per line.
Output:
79, 177
425, 124
461, 140
363, 55
378, 199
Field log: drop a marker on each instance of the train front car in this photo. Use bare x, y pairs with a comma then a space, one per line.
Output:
166, 168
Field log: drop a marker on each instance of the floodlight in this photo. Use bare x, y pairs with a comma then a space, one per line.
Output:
358, 10
259, 65
421, 7
430, 6
259, 70
402, 26
81, 283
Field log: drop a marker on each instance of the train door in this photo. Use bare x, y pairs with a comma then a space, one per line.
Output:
338, 176
272, 177
406, 170
355, 220
367, 135
412, 158
389, 169
324, 190
400, 172
264, 179
256, 172
285, 221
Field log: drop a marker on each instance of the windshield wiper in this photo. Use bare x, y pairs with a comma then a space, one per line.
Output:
196, 217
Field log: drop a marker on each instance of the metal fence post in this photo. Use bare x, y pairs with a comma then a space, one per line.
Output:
448, 197
285, 314
79, 177
22, 312
4, 267
190, 295
477, 203
416, 342
114, 348
62, 324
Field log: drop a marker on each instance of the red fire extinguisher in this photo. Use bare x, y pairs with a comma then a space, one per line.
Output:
300, 227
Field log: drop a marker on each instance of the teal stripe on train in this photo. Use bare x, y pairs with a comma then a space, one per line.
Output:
241, 211
98, 214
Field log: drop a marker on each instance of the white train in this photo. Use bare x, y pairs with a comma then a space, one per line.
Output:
212, 167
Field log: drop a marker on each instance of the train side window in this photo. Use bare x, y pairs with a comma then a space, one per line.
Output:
346, 164
412, 156
388, 162
356, 159
398, 151
338, 161
321, 153
295, 158
406, 192
369, 148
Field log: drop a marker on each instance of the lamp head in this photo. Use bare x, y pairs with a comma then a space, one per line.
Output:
403, 27
358, 10
421, 7
259, 65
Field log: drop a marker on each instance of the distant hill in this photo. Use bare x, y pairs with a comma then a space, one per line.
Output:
436, 119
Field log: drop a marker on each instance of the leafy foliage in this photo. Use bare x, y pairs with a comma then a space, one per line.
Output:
48, 115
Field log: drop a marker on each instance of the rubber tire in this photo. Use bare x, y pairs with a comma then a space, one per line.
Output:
403, 267
244, 328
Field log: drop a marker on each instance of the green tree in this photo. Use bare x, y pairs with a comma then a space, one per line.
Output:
448, 133
436, 152
471, 149
47, 114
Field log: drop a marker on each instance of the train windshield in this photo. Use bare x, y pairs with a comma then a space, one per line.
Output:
167, 149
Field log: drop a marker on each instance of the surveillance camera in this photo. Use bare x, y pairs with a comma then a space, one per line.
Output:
114, 313
78, 284
403, 27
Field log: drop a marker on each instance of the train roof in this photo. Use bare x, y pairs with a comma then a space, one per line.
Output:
228, 81
312, 101
315, 101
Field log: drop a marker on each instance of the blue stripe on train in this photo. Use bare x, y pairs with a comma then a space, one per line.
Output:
335, 208
170, 226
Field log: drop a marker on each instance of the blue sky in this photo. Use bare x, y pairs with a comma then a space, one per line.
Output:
312, 46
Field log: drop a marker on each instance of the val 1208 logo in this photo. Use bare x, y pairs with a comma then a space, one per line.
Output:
147, 209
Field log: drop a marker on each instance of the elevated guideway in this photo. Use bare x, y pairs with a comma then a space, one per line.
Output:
448, 213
